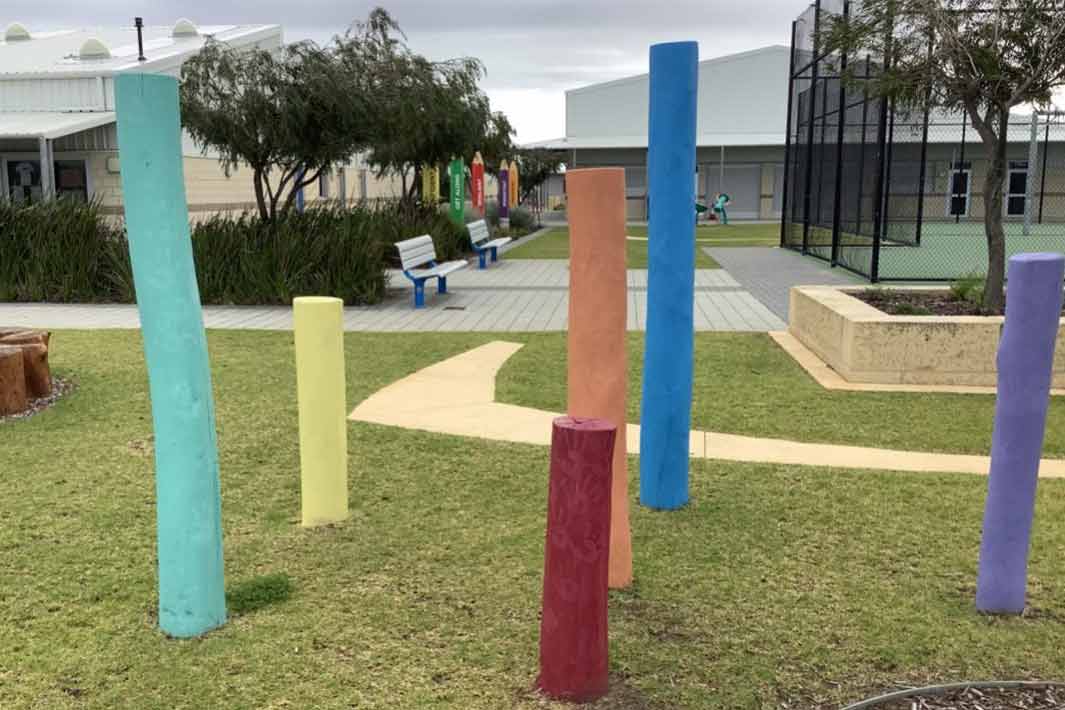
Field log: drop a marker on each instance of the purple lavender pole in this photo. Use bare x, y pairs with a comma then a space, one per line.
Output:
1025, 367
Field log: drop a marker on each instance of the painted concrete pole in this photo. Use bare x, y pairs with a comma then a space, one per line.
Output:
477, 182
514, 178
457, 184
665, 416
573, 626
188, 500
504, 195
319, 326
598, 311
430, 184
1025, 370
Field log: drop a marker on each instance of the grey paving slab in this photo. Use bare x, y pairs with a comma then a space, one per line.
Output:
768, 273
519, 295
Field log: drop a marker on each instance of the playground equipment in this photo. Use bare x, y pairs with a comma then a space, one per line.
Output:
514, 182
457, 190
598, 305
477, 182
319, 326
665, 415
573, 625
188, 502
1025, 364
504, 194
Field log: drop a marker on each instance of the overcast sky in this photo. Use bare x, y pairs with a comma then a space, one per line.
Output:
533, 49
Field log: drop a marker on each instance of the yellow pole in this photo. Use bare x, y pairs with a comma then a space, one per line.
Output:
323, 428
514, 193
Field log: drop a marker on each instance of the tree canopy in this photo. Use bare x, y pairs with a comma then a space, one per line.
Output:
291, 114
980, 57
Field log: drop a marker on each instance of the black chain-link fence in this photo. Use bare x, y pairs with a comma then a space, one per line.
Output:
893, 194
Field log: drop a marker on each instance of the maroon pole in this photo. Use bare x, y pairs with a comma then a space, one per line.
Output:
573, 627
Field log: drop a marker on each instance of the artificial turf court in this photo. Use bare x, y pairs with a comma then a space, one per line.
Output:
778, 586
947, 251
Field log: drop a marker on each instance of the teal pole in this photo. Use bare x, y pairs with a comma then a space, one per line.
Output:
188, 500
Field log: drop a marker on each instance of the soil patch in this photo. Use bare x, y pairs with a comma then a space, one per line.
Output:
61, 387
920, 303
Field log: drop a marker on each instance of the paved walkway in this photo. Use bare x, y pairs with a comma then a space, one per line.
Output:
457, 396
768, 273
512, 295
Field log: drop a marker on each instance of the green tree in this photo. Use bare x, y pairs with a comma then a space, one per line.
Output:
423, 112
536, 165
983, 57
286, 115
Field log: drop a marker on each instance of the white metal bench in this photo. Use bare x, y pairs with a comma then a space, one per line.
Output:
420, 252
483, 243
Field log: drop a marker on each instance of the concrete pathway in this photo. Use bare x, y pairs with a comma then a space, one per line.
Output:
457, 396
768, 273
512, 295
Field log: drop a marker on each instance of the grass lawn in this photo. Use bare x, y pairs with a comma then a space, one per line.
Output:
555, 245
776, 584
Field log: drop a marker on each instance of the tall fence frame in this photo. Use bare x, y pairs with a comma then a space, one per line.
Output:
892, 194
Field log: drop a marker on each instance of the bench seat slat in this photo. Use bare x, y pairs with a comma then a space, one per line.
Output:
439, 270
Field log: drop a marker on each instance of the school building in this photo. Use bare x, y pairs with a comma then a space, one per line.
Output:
740, 138
57, 117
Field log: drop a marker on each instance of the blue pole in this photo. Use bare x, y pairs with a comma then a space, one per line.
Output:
665, 416
188, 501
1025, 372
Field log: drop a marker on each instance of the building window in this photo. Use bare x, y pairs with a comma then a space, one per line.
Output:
70, 180
24, 180
342, 184
323, 184
960, 184
1016, 188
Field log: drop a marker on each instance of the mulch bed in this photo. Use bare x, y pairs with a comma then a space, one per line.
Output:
918, 303
1033, 698
61, 387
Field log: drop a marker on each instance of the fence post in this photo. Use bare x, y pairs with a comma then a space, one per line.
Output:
1029, 180
318, 324
1025, 372
188, 497
573, 623
788, 146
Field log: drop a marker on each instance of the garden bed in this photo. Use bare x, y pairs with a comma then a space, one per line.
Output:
912, 302
866, 345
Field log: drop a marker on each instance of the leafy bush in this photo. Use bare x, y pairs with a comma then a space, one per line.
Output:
522, 219
63, 251
969, 288
67, 252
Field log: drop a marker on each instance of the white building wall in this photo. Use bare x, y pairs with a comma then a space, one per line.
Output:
742, 93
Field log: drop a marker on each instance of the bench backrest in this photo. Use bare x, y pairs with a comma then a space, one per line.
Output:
416, 252
478, 231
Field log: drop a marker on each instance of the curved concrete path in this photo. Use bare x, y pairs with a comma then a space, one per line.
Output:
457, 396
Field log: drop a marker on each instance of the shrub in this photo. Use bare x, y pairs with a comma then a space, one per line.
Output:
63, 251
969, 288
67, 252
522, 219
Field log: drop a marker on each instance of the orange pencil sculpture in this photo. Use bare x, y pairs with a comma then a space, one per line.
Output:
598, 305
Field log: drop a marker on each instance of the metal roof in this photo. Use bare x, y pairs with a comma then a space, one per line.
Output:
55, 54
27, 124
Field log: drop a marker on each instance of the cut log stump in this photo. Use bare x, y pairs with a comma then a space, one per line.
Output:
33, 344
12, 381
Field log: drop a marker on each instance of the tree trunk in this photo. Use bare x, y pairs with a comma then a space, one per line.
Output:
260, 198
12, 381
994, 295
33, 345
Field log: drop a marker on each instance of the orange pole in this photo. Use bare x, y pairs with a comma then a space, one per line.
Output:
598, 311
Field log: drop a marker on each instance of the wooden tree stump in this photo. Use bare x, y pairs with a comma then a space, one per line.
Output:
33, 344
12, 381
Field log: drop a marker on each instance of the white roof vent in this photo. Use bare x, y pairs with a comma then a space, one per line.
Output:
94, 49
184, 28
16, 32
